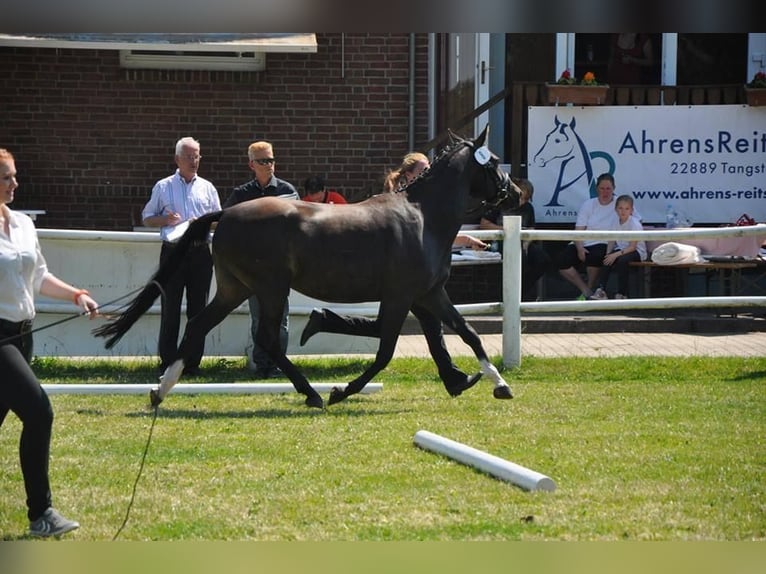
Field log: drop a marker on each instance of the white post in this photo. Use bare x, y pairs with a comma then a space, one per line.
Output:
512, 291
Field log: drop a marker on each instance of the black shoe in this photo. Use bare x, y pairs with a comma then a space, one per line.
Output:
192, 371
313, 325
268, 373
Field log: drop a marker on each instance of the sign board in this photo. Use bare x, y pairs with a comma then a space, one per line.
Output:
708, 162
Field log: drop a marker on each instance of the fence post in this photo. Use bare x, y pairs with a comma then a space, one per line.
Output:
512, 291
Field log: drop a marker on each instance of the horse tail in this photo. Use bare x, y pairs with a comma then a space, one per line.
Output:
198, 231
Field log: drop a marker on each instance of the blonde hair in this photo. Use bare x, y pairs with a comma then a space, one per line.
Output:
6, 155
259, 146
396, 177
525, 186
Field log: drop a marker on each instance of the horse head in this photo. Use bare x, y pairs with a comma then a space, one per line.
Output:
491, 184
466, 168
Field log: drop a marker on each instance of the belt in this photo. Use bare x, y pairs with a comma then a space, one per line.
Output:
15, 327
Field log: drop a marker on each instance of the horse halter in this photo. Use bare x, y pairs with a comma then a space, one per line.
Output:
501, 179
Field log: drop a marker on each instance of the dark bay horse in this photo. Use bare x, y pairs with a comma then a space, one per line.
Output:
394, 248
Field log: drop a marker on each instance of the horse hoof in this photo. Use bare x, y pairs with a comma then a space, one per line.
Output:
502, 392
315, 402
154, 397
457, 390
336, 396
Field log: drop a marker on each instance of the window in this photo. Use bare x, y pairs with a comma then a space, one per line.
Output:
705, 59
158, 59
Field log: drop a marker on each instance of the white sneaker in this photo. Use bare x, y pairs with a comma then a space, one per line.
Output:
620, 296
599, 295
51, 523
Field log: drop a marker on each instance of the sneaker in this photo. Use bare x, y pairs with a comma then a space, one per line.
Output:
599, 295
51, 523
620, 296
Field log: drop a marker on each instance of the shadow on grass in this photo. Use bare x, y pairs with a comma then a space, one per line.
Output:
754, 376
276, 414
213, 371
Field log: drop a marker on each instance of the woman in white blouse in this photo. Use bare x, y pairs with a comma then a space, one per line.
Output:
23, 272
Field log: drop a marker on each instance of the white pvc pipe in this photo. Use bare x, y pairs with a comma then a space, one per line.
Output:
193, 388
496, 466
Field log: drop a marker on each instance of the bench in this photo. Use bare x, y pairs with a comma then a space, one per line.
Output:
729, 274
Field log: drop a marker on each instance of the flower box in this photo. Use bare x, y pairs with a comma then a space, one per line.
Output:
577, 94
755, 96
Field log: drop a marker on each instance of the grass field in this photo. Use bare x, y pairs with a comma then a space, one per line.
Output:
640, 448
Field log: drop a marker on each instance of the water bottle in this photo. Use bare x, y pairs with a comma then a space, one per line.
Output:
671, 217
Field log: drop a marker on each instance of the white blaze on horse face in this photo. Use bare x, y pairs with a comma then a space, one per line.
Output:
170, 377
489, 369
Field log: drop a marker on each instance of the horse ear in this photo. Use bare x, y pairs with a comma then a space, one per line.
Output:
479, 141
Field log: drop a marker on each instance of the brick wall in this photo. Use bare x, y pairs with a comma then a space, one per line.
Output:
91, 138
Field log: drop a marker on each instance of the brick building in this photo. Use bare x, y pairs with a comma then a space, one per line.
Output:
91, 136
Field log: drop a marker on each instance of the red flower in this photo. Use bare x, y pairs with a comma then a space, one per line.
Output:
758, 81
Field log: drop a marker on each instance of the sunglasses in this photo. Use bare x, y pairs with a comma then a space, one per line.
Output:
264, 161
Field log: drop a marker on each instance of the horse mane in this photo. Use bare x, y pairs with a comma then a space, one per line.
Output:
438, 164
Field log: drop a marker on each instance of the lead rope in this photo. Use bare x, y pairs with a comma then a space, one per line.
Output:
138, 476
69, 318
146, 450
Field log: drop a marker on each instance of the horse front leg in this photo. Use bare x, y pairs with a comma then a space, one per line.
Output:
267, 337
390, 319
450, 316
455, 380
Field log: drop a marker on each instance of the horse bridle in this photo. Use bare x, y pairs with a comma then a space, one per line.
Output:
501, 180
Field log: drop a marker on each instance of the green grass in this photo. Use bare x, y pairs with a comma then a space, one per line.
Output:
640, 448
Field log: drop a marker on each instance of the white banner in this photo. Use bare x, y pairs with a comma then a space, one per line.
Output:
708, 162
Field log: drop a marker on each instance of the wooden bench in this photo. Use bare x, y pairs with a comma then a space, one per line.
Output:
729, 274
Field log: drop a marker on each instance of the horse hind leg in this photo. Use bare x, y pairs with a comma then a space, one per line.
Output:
194, 335
390, 322
168, 380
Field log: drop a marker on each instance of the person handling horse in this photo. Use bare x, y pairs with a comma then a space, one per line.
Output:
24, 272
412, 165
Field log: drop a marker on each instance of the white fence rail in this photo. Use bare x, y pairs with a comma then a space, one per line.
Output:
112, 263
513, 307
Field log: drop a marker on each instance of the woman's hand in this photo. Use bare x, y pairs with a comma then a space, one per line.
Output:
612, 257
88, 304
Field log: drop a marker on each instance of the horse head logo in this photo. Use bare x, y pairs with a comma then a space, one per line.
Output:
565, 146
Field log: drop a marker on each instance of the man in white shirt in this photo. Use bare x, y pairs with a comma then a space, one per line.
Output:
178, 198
